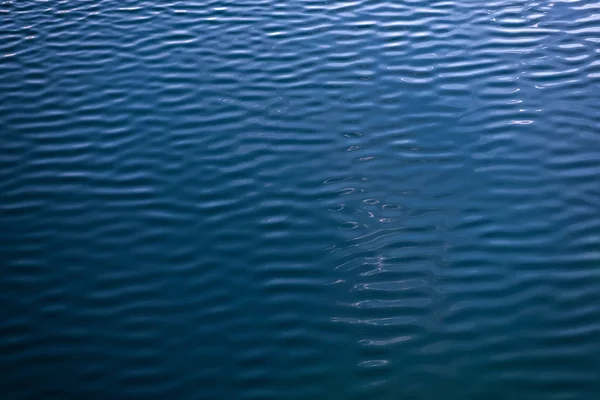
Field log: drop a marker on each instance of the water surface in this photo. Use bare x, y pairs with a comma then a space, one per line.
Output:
261, 199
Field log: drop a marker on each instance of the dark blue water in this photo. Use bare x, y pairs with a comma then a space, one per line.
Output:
261, 199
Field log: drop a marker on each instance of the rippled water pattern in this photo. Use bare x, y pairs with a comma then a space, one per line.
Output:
261, 199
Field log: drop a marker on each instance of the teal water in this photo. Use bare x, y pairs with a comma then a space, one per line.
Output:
301, 199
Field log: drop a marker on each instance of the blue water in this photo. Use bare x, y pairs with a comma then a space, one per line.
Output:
261, 199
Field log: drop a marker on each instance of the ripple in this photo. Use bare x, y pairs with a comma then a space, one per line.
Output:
262, 199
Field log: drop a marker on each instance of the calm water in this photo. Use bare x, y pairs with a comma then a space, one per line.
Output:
262, 199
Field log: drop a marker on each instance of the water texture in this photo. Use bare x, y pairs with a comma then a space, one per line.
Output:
261, 199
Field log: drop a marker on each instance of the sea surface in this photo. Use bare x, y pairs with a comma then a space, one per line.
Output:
300, 199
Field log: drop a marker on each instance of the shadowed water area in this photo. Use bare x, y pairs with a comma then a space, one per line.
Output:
261, 199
